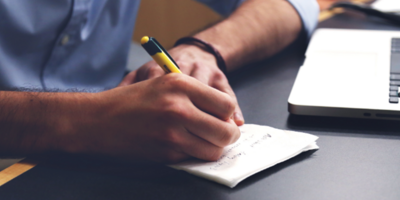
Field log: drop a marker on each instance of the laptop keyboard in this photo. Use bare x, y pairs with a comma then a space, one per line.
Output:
394, 71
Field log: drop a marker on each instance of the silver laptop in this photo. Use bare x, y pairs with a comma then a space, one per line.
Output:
349, 73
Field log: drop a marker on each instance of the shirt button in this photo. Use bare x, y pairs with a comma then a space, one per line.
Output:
65, 40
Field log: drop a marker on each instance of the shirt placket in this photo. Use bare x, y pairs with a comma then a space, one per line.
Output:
66, 40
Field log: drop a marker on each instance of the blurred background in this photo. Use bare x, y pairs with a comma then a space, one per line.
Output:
169, 20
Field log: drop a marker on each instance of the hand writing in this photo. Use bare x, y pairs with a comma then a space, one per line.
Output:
195, 62
164, 119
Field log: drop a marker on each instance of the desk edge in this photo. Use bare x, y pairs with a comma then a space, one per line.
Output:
15, 170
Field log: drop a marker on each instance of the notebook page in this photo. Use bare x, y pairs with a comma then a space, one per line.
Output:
258, 148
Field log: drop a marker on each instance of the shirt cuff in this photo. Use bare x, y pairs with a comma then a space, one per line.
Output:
308, 11
223, 7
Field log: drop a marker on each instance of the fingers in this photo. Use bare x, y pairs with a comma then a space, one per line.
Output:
199, 148
218, 81
185, 67
200, 112
199, 142
128, 79
203, 75
238, 116
209, 99
194, 132
155, 71
219, 133
221, 83
148, 71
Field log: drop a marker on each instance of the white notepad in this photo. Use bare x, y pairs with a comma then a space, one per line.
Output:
258, 148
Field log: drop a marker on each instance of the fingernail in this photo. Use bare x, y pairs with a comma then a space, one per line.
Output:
238, 117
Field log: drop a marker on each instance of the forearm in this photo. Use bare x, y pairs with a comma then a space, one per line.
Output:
35, 122
256, 30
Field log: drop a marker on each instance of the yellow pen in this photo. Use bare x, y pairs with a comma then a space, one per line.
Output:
160, 55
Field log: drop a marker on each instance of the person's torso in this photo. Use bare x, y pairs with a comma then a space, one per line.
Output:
63, 44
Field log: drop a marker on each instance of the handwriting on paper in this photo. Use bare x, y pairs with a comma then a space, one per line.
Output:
247, 142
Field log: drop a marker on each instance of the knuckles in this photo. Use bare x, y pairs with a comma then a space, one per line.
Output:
173, 103
178, 112
226, 138
219, 76
229, 105
171, 138
174, 109
176, 82
155, 71
213, 155
181, 64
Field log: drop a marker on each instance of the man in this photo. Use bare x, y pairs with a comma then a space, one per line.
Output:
81, 45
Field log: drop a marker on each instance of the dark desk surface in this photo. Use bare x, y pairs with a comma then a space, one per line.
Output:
358, 159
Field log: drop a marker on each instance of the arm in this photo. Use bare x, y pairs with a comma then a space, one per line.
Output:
30, 120
165, 119
255, 31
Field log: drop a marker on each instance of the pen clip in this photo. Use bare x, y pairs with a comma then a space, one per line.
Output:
165, 51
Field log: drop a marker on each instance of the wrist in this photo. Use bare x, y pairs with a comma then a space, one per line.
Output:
194, 51
206, 47
34, 122
75, 111
186, 55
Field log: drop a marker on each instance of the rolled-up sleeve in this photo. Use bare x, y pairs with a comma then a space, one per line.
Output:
308, 11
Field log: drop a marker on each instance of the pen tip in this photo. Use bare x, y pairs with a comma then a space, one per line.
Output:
144, 39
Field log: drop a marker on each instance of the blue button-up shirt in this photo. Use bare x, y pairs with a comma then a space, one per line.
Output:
82, 44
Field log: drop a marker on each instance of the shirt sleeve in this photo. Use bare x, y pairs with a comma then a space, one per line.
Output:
308, 11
